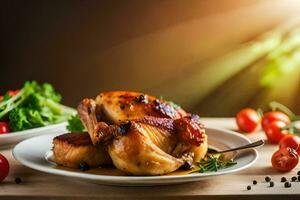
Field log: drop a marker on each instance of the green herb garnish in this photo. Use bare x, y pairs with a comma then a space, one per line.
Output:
213, 163
75, 124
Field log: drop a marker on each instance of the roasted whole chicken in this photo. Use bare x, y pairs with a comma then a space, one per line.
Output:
143, 135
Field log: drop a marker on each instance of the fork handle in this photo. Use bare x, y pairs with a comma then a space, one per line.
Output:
247, 146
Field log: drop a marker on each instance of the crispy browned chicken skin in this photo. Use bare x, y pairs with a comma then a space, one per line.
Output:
118, 106
143, 135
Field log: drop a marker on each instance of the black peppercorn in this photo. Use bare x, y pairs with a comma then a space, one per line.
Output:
142, 99
248, 187
268, 178
287, 184
18, 180
283, 179
294, 178
271, 184
84, 166
298, 178
298, 173
254, 182
122, 106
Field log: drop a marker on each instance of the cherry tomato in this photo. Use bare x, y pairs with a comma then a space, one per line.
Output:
292, 141
274, 133
4, 167
1, 98
4, 128
269, 117
12, 92
285, 159
247, 120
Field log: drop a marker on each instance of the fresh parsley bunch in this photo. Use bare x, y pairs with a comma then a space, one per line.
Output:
75, 124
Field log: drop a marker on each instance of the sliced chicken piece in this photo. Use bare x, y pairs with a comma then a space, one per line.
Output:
72, 149
120, 106
87, 111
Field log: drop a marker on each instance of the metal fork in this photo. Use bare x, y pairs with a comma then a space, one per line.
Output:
247, 146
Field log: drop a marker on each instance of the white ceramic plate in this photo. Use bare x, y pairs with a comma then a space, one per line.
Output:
31, 153
15, 137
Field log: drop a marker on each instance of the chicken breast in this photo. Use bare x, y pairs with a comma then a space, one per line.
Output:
72, 149
120, 106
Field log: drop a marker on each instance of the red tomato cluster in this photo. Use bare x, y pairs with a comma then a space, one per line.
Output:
287, 157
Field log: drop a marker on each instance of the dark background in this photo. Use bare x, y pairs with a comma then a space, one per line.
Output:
172, 48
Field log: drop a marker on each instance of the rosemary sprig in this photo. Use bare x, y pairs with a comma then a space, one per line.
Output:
213, 163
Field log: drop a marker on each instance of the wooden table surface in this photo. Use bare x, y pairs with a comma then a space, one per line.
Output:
36, 185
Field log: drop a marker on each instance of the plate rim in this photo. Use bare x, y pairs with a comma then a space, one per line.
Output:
30, 131
128, 179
